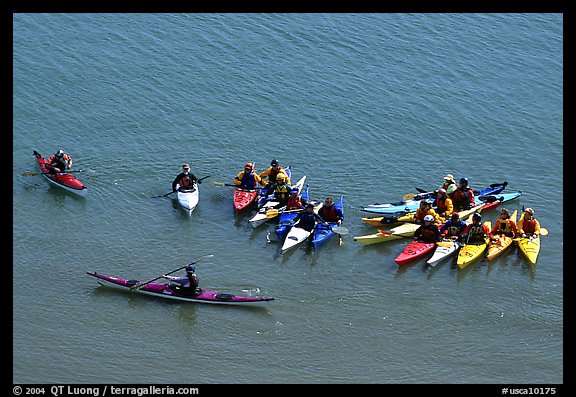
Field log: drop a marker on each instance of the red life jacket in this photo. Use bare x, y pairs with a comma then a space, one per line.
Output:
294, 202
328, 213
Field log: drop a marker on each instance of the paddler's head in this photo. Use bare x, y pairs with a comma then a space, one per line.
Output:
455, 217
185, 168
60, 153
504, 214
528, 212
428, 219
310, 207
281, 178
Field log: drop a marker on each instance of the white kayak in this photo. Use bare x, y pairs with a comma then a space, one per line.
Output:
188, 198
295, 236
260, 217
444, 250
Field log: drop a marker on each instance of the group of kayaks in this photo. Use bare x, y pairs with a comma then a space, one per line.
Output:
400, 214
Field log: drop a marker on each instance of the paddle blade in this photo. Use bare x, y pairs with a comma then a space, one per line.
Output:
386, 232
543, 231
341, 230
408, 196
272, 213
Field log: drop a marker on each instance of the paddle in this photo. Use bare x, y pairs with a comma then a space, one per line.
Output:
543, 232
140, 285
341, 230
31, 173
168, 194
274, 212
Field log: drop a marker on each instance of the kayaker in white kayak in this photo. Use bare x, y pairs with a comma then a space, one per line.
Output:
528, 225
427, 232
185, 179
247, 179
463, 197
188, 283
307, 219
330, 213
453, 228
59, 162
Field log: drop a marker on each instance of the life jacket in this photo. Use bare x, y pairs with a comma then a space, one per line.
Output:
428, 233
329, 214
420, 214
186, 182
454, 229
476, 232
444, 205
463, 198
503, 226
528, 226
282, 192
307, 221
247, 181
294, 202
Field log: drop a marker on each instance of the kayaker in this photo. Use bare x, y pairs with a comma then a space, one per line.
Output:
59, 162
476, 232
427, 232
247, 179
295, 201
528, 225
330, 213
443, 203
281, 190
272, 172
449, 184
187, 284
463, 196
454, 227
504, 225
307, 219
424, 209
185, 179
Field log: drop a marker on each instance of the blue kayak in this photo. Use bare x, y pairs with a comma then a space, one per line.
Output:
403, 207
287, 217
323, 233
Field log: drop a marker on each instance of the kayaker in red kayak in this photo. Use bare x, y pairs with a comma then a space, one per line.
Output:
185, 179
453, 228
476, 232
443, 204
528, 225
463, 196
428, 232
59, 162
330, 213
247, 179
504, 225
188, 283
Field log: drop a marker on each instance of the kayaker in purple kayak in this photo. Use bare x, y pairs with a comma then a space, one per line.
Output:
188, 284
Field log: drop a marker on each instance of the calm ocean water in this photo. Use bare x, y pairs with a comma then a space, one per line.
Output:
366, 105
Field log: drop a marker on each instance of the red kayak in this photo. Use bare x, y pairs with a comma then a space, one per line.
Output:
64, 180
244, 198
413, 251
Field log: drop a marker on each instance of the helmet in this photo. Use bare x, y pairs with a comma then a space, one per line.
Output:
463, 180
60, 153
274, 162
477, 217
529, 210
442, 190
249, 166
190, 269
281, 177
428, 218
294, 190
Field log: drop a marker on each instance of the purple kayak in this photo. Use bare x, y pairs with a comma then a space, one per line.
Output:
165, 290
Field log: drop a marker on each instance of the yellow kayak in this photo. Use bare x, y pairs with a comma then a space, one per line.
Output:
470, 252
501, 243
530, 247
404, 230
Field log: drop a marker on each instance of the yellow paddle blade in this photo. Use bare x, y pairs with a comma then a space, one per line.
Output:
408, 196
272, 213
